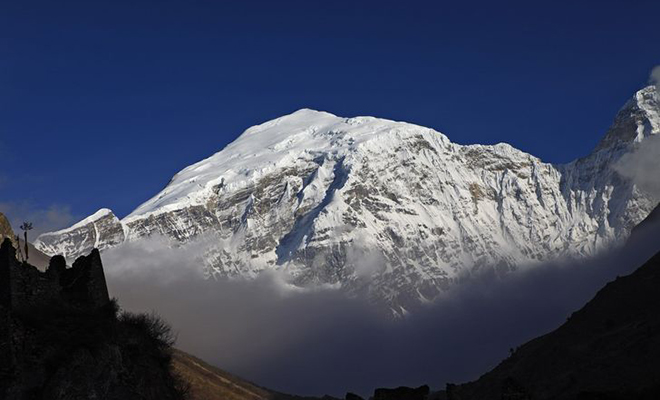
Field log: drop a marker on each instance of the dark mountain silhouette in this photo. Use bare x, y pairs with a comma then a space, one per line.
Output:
61, 337
609, 349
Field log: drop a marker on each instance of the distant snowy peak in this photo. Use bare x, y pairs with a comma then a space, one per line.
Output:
100, 214
100, 230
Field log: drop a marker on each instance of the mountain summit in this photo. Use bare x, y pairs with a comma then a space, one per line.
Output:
638, 119
390, 208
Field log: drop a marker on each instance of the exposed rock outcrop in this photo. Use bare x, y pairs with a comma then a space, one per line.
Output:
5, 229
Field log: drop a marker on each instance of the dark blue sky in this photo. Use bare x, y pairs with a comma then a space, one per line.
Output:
101, 102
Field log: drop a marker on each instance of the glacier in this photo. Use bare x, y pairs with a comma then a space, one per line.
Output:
390, 209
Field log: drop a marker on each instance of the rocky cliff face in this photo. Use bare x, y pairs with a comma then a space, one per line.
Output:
390, 208
5, 230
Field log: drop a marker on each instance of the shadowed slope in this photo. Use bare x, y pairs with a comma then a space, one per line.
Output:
610, 349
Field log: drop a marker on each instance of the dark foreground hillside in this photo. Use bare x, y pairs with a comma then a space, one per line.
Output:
610, 349
61, 337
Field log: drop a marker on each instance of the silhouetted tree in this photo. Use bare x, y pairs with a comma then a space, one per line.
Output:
27, 226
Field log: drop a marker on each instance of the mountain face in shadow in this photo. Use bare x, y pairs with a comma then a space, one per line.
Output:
610, 349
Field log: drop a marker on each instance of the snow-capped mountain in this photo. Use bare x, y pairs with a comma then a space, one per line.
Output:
390, 207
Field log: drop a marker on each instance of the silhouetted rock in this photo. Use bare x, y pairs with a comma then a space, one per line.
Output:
352, 396
61, 337
22, 285
402, 393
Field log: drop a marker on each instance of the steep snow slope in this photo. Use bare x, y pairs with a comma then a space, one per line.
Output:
388, 207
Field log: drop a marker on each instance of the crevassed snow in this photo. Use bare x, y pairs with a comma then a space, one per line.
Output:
263, 148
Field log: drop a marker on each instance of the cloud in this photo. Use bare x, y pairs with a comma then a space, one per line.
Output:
655, 78
47, 219
366, 259
642, 166
318, 341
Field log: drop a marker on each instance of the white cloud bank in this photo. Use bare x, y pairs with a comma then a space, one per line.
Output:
319, 341
642, 166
